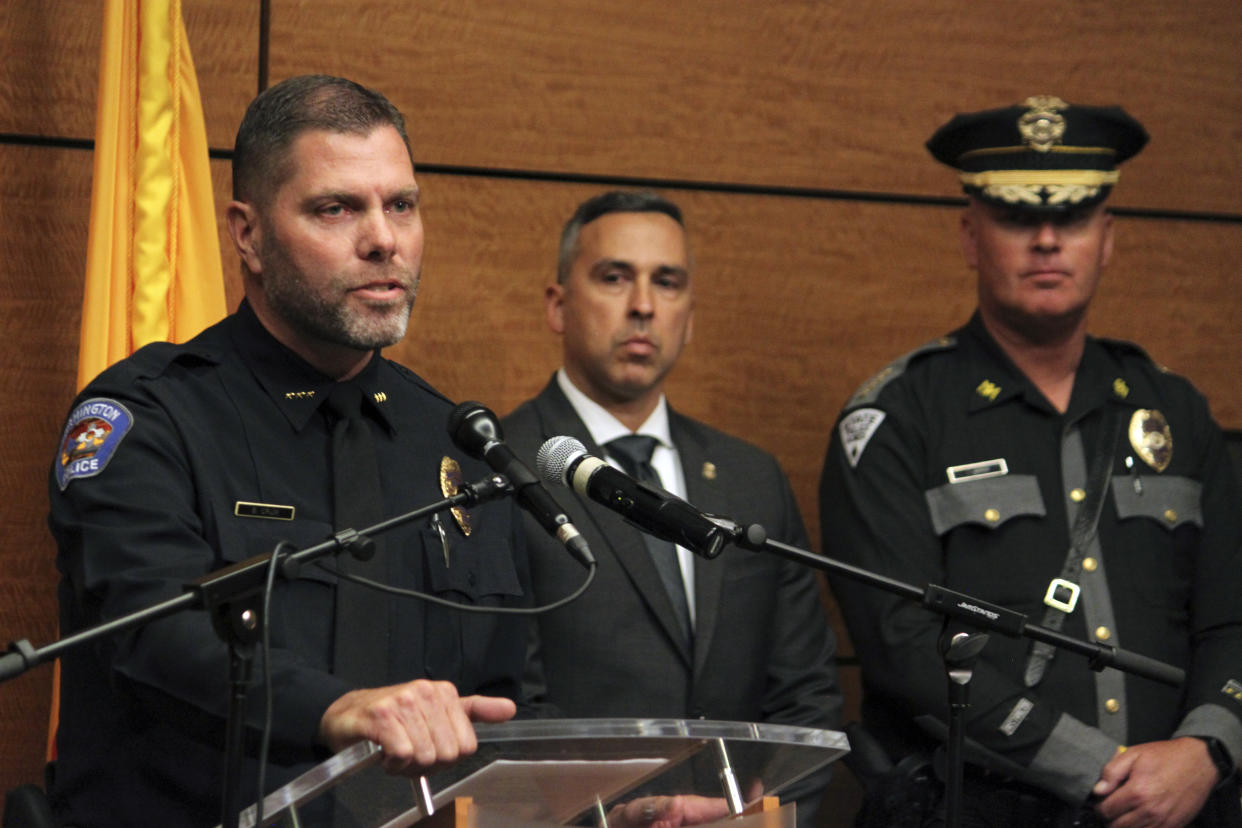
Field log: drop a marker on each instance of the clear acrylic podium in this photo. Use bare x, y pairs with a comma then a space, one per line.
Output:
561, 771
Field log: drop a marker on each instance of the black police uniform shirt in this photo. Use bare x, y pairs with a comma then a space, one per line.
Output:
1160, 579
183, 459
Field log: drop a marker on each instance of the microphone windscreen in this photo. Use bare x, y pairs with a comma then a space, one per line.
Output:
555, 456
473, 427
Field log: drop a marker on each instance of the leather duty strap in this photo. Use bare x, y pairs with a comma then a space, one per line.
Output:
1062, 595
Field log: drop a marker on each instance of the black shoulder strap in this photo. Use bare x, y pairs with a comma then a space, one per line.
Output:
1081, 535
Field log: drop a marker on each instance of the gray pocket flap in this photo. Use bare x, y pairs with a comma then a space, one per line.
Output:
1170, 501
988, 502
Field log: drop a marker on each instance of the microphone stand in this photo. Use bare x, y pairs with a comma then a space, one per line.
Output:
960, 654
233, 597
963, 649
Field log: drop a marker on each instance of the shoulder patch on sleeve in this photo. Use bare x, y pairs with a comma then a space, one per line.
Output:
90, 439
856, 429
870, 390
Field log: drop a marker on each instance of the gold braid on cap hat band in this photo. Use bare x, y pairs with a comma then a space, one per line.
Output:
1041, 187
1057, 150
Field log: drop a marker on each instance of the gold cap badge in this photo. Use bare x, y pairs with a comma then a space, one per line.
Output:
1041, 126
450, 483
1151, 438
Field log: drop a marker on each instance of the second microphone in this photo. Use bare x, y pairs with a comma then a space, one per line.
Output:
565, 461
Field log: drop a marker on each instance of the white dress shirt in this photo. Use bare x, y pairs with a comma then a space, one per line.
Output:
603, 426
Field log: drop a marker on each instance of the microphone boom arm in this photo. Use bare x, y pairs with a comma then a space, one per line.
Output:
976, 612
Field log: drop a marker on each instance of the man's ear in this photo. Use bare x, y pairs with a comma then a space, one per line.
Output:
554, 307
243, 226
1106, 251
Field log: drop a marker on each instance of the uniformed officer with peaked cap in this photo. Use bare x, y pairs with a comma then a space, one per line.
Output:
1067, 477
1041, 155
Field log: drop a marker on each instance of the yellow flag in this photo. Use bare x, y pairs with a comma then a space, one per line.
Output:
153, 258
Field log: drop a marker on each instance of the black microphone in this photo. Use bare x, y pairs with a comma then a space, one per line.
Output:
476, 431
564, 460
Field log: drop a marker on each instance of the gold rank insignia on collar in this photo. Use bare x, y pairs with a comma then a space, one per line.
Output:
1151, 438
299, 395
1120, 389
451, 480
988, 390
379, 397
709, 470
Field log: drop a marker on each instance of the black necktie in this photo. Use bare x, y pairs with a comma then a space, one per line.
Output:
360, 643
633, 452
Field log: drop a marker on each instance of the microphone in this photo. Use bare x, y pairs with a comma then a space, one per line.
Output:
564, 460
476, 431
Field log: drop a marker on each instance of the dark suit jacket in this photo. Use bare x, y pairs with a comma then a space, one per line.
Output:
763, 650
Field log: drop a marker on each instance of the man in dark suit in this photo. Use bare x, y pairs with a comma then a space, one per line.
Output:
661, 633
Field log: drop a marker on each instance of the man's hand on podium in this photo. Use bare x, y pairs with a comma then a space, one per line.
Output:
668, 812
418, 724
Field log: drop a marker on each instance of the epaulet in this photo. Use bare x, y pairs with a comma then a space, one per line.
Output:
410, 376
1125, 348
153, 360
870, 390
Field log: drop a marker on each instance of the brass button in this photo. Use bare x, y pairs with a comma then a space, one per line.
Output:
991, 516
1077, 495
1112, 705
1170, 515
1090, 564
1103, 633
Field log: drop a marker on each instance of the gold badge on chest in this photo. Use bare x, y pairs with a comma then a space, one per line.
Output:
450, 483
1151, 439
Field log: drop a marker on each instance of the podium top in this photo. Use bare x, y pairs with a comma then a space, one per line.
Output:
553, 771
558, 729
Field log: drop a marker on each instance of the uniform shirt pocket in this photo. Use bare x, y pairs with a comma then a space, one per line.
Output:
989, 502
482, 568
1169, 501
1159, 531
250, 538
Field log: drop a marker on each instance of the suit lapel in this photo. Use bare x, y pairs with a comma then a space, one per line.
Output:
705, 492
557, 417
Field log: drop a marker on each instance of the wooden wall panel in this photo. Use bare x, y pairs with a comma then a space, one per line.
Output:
44, 200
807, 93
49, 64
49, 70
1173, 287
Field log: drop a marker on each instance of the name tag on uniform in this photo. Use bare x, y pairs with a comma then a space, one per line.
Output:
268, 511
977, 471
